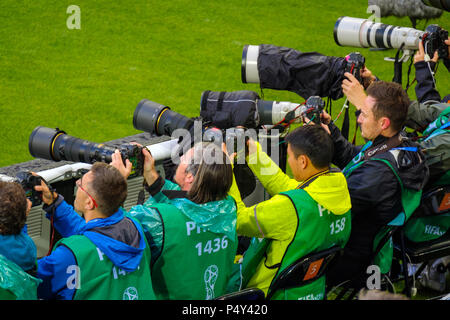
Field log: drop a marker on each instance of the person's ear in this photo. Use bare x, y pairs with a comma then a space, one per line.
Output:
385, 123
303, 161
189, 178
89, 204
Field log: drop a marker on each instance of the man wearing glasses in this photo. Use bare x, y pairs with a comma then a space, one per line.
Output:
103, 253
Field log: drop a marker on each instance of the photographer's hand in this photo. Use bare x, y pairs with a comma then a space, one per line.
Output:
251, 144
47, 196
325, 120
420, 54
353, 90
367, 77
150, 173
118, 164
230, 157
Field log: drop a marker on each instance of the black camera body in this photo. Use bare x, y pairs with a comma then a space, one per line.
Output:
134, 154
28, 182
433, 40
234, 138
314, 107
355, 62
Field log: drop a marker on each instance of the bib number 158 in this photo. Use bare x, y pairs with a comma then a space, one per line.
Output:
337, 226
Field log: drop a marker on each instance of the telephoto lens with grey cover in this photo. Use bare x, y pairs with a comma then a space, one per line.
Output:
245, 109
56, 145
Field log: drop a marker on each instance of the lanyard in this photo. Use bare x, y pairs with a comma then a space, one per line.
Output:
308, 181
389, 144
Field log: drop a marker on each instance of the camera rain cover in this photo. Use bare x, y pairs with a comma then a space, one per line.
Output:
305, 73
230, 109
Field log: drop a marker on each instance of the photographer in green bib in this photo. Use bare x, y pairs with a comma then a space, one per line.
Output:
103, 254
429, 117
307, 214
385, 176
190, 224
17, 249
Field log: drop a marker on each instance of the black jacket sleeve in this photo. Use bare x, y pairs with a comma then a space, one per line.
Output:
425, 89
344, 151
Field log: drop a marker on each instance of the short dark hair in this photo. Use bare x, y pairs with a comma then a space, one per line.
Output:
109, 187
314, 142
13, 208
391, 102
212, 179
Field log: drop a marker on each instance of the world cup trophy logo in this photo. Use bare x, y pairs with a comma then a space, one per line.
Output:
130, 293
210, 278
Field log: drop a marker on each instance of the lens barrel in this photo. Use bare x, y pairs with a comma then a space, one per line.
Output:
363, 33
265, 111
158, 119
40, 143
273, 112
249, 64
54, 144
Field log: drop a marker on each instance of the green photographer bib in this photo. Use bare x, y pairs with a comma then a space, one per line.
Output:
95, 277
319, 229
436, 142
194, 263
428, 228
410, 201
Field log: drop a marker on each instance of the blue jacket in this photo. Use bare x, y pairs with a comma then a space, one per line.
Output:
118, 237
20, 249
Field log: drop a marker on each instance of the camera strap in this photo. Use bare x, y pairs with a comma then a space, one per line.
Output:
345, 129
389, 144
308, 181
329, 106
398, 67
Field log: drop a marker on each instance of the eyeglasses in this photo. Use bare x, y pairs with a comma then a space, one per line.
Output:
78, 184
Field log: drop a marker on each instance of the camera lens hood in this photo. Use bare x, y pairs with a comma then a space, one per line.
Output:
40, 143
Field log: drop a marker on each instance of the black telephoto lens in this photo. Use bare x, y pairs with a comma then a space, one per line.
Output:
158, 119
40, 143
56, 145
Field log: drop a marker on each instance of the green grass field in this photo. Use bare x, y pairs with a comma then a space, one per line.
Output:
89, 81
